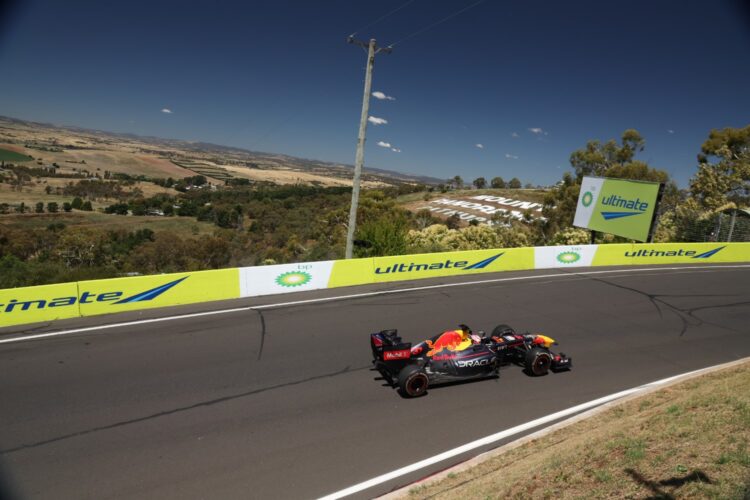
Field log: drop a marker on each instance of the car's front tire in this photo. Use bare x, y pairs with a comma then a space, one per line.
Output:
538, 361
413, 381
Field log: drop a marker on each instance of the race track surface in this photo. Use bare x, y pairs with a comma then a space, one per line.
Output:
282, 402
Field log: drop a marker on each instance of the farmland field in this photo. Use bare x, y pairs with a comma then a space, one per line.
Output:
12, 156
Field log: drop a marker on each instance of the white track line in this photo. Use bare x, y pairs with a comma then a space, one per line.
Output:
505, 434
351, 296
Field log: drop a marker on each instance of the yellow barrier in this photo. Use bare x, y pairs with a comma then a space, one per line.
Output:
141, 292
670, 253
351, 272
35, 304
89, 298
409, 267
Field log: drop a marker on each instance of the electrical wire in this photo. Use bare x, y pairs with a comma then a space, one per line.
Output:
381, 18
419, 32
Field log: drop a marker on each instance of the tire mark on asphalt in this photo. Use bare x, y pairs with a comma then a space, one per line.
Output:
262, 332
686, 316
174, 411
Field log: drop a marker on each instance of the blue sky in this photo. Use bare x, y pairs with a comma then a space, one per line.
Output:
529, 81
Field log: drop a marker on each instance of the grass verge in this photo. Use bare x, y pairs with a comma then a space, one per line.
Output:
689, 440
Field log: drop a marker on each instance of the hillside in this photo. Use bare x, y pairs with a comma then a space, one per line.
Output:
76, 149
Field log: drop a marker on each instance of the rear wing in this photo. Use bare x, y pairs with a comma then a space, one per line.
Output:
387, 346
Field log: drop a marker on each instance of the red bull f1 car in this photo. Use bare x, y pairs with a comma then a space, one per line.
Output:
458, 355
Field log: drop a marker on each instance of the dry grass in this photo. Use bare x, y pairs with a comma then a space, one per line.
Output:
287, 176
686, 441
34, 191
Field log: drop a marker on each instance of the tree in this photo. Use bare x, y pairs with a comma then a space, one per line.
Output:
52, 207
596, 158
453, 222
67, 207
515, 183
498, 183
39, 208
457, 182
480, 183
86, 207
724, 169
77, 203
383, 236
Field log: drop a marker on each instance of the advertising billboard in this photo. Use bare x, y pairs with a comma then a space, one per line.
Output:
618, 206
284, 278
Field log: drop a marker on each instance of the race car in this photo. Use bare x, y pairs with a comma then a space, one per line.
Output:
458, 355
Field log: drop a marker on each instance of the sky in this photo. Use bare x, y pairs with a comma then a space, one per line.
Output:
499, 88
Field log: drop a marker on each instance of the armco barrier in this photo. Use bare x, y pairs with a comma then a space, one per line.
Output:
88, 298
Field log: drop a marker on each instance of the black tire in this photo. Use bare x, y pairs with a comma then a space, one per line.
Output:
501, 330
538, 361
413, 381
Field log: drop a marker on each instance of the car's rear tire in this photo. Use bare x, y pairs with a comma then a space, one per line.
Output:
538, 361
413, 381
501, 330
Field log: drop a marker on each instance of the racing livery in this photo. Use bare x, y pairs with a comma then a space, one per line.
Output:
457, 355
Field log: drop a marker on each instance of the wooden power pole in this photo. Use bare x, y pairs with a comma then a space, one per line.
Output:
372, 49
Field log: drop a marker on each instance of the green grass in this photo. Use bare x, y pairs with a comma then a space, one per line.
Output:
12, 156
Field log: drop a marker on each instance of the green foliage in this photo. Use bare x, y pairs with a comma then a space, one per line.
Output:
498, 183
480, 183
52, 207
440, 238
515, 183
724, 169
383, 236
571, 236
596, 158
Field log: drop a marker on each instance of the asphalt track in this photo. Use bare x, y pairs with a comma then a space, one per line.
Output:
281, 402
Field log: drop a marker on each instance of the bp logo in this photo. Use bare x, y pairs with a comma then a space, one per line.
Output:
587, 199
568, 257
294, 278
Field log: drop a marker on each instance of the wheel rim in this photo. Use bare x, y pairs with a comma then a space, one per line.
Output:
417, 384
541, 364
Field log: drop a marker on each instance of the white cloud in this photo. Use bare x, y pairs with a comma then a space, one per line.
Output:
511, 157
537, 131
167, 111
480, 146
395, 150
377, 121
380, 95
515, 135
669, 130
384, 144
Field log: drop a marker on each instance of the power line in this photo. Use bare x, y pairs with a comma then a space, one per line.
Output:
381, 18
419, 32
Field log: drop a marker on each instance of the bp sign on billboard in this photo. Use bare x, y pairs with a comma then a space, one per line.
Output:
617, 206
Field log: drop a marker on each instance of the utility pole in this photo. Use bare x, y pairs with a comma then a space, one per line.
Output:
372, 49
